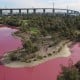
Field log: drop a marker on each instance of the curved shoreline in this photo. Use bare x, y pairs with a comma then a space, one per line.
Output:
65, 52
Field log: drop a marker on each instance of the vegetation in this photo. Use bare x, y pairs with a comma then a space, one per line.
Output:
38, 31
70, 73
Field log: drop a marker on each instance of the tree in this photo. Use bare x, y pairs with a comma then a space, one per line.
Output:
69, 74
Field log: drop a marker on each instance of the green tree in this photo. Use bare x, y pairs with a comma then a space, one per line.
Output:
69, 74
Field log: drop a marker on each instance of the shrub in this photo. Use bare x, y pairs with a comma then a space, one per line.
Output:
44, 56
35, 60
69, 74
28, 61
13, 57
49, 54
39, 57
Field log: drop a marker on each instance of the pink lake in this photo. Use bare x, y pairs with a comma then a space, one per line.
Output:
45, 71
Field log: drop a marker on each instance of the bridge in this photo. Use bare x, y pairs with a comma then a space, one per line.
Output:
20, 11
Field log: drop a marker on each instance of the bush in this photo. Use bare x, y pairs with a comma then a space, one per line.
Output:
44, 56
39, 57
13, 57
29, 47
49, 54
69, 74
28, 61
35, 60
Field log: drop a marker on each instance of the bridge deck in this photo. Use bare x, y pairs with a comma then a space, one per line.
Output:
68, 11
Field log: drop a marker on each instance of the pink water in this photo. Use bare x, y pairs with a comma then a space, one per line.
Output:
46, 71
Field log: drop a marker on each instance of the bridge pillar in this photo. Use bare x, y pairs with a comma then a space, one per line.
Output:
20, 11
67, 12
0, 12
44, 11
72, 12
11, 11
34, 11
27, 11
53, 11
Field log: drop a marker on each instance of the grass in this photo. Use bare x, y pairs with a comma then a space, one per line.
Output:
24, 22
34, 30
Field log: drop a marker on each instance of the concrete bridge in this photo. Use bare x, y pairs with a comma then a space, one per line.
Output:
20, 11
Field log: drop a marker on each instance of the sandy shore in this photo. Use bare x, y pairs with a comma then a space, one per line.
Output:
65, 52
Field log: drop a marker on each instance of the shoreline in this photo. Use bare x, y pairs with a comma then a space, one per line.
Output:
65, 52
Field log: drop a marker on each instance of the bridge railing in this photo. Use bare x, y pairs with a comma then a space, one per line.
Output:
35, 10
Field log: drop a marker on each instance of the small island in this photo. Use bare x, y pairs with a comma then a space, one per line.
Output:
43, 37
